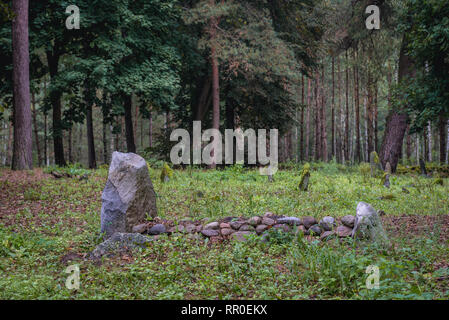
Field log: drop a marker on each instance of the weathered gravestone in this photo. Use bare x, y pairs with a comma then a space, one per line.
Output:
368, 225
128, 196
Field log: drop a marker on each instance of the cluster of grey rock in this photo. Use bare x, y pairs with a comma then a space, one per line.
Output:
129, 199
366, 224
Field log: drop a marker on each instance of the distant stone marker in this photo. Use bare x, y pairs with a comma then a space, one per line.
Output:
422, 165
368, 225
374, 163
128, 196
304, 178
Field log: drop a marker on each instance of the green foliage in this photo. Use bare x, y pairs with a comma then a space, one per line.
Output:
166, 173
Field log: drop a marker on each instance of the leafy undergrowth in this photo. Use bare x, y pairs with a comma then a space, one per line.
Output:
44, 220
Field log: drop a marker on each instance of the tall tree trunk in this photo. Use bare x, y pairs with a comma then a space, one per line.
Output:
370, 119
408, 149
339, 116
397, 119
429, 141
376, 122
317, 118
309, 101
47, 160
150, 129
23, 152
131, 147
105, 141
36, 131
10, 143
333, 109
357, 153
92, 161
215, 101
346, 144
55, 98
301, 139
323, 118
442, 133
70, 146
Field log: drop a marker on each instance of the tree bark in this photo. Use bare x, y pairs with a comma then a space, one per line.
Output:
36, 131
55, 98
23, 152
333, 108
92, 161
357, 153
346, 144
442, 133
323, 118
150, 129
309, 101
301, 139
397, 119
129, 124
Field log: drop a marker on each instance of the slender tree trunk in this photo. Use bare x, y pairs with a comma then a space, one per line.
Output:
301, 144
36, 131
309, 101
92, 161
323, 118
339, 116
370, 120
317, 119
376, 123
70, 146
23, 152
442, 133
408, 149
150, 129
429, 141
55, 98
347, 111
105, 141
333, 109
10, 143
357, 153
131, 147
215, 101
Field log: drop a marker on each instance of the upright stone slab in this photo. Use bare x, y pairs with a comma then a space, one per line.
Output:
368, 225
128, 196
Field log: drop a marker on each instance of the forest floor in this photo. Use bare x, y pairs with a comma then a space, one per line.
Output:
47, 224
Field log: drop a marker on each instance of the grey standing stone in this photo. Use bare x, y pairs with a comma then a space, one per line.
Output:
369, 226
128, 196
348, 221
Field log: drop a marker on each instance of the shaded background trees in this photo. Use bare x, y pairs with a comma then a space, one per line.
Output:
136, 70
